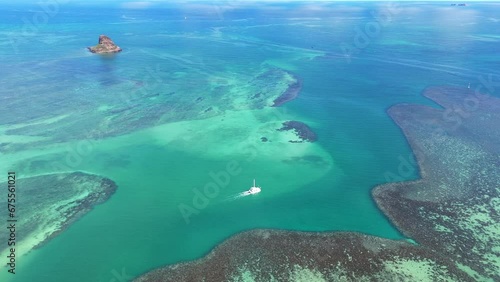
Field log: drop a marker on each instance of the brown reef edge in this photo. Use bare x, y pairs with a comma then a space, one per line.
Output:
50, 211
290, 93
302, 130
452, 212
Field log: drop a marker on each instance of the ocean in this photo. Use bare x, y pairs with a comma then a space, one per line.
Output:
133, 117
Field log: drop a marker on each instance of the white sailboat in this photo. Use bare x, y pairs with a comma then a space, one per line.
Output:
253, 190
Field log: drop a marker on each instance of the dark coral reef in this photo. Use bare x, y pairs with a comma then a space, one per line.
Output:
455, 207
302, 130
452, 212
270, 255
290, 93
55, 201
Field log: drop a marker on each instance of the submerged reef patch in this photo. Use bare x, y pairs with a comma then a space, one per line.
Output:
55, 201
452, 212
291, 92
270, 255
302, 130
455, 208
92, 112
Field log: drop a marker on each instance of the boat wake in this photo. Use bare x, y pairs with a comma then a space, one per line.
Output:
253, 190
236, 196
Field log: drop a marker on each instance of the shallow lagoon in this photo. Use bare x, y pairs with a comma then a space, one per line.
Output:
157, 166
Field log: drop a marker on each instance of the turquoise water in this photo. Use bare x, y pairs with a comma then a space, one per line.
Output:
191, 50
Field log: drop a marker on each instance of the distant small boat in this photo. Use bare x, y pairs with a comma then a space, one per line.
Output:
254, 189
468, 85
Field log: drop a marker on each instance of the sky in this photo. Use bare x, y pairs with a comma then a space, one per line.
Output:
146, 4
219, 1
